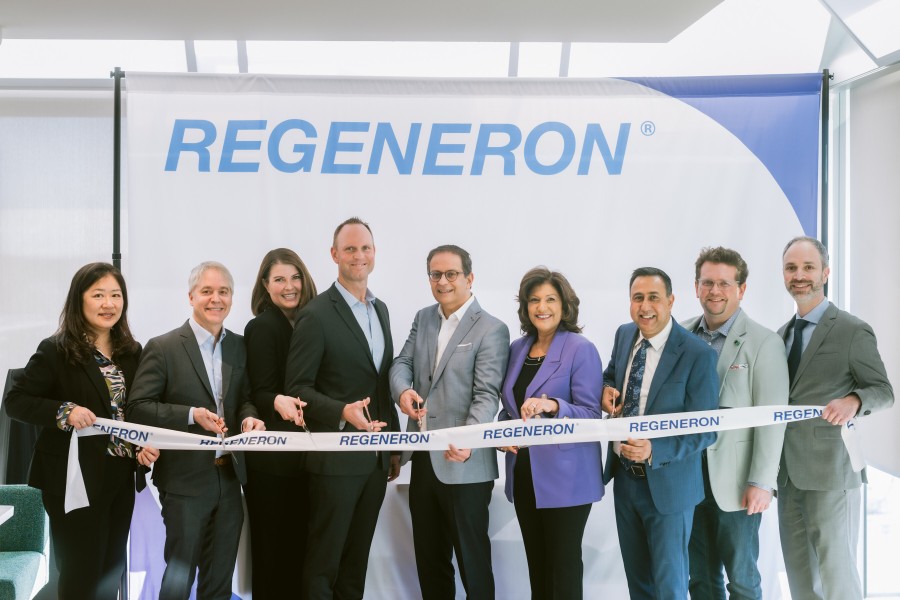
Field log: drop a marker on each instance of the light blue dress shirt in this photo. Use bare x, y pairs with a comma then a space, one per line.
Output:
368, 321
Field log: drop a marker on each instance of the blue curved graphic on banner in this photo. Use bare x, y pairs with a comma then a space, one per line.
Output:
775, 116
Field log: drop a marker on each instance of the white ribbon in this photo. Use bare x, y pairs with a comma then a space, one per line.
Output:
76, 494
534, 432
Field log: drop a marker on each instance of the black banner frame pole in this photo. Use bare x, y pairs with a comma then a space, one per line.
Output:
823, 183
117, 75
826, 135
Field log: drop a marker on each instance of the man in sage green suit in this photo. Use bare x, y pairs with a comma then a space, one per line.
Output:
834, 364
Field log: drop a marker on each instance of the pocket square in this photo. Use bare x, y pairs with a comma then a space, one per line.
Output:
464, 345
739, 367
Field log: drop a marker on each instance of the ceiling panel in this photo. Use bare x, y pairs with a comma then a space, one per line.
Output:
363, 20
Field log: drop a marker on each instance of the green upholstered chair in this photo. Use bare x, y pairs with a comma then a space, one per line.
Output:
24, 557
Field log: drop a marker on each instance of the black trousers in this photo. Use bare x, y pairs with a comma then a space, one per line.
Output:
552, 538
278, 511
448, 518
89, 543
343, 513
202, 536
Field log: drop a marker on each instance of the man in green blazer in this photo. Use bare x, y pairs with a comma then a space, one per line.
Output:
833, 362
740, 469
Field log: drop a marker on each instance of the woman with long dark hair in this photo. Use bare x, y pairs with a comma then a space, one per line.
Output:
554, 372
81, 373
275, 479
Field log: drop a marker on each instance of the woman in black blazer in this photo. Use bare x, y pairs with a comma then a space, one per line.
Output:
81, 373
276, 485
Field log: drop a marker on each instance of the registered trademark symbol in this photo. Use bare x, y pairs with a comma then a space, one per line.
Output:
648, 127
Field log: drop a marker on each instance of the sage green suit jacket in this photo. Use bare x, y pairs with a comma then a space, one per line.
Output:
752, 372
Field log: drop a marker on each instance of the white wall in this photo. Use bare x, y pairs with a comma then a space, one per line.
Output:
55, 207
871, 187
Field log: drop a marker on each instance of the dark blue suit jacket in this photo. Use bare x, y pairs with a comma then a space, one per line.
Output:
685, 380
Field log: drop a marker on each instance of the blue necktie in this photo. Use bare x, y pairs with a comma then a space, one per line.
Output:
632, 402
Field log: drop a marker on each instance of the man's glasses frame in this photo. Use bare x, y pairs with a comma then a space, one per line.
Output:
724, 285
450, 276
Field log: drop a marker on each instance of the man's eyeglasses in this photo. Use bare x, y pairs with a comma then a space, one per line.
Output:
708, 284
450, 276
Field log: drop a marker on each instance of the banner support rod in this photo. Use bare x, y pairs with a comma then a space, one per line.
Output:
823, 180
117, 75
826, 134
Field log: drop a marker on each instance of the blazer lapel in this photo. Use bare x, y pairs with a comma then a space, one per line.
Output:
189, 341
431, 327
818, 336
733, 343
383, 320
550, 364
667, 362
343, 309
516, 361
468, 321
623, 359
227, 360
99, 382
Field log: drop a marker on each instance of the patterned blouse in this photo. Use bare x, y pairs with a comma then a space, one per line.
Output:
115, 383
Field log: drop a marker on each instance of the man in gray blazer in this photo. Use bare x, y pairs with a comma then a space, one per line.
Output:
448, 375
193, 379
740, 469
833, 362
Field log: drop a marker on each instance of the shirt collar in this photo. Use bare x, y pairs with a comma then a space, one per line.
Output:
659, 340
815, 315
459, 313
350, 298
202, 335
724, 329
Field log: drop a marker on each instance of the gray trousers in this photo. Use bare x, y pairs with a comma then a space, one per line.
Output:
819, 538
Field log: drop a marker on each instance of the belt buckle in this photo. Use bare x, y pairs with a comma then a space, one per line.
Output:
638, 470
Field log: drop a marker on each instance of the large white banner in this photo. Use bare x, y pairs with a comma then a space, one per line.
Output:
593, 178
590, 177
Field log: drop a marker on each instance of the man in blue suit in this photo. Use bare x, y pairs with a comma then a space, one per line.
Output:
657, 367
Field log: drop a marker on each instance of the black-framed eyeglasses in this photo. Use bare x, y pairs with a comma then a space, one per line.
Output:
450, 276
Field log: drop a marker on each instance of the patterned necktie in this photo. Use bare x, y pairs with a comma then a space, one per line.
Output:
633, 389
796, 349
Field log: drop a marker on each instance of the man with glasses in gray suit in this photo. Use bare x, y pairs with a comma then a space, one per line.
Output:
448, 375
833, 362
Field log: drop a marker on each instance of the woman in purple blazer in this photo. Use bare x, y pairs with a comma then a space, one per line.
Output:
553, 373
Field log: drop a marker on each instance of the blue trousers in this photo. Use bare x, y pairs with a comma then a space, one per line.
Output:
724, 540
654, 546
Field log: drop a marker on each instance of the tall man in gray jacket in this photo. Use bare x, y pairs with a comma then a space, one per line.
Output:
447, 375
740, 469
833, 362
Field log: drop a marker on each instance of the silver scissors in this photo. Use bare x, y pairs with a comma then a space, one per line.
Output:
305, 428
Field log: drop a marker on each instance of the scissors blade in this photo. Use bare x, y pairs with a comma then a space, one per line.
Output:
305, 428
309, 433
